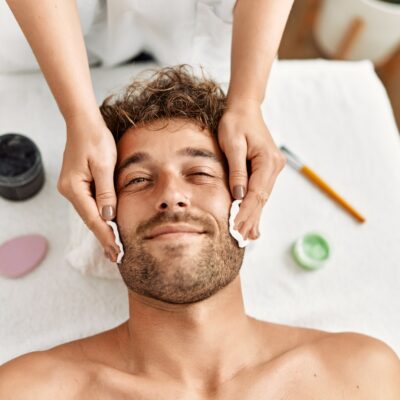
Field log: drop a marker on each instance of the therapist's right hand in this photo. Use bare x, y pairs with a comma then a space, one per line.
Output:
90, 156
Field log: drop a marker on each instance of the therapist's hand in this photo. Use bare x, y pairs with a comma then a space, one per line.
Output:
243, 135
90, 155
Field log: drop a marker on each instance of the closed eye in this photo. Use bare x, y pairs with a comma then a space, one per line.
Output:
136, 180
201, 173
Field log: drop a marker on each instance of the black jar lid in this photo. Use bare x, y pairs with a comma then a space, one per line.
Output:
21, 168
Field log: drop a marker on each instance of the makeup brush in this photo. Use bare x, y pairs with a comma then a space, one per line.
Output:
298, 165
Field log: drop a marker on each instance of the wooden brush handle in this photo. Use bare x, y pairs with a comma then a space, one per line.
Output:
314, 178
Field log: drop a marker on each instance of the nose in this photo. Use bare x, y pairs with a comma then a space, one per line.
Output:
174, 196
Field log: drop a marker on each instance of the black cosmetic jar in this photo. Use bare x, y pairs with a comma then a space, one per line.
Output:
21, 168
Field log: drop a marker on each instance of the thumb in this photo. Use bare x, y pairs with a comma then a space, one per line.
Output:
106, 199
236, 156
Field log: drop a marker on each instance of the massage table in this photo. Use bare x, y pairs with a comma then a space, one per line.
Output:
335, 115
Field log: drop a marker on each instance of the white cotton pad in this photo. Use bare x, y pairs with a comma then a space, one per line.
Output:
234, 233
117, 240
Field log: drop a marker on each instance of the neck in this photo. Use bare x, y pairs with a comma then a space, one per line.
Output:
199, 345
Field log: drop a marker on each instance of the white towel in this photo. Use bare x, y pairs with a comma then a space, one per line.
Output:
85, 253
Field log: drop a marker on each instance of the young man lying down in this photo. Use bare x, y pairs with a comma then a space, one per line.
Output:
188, 336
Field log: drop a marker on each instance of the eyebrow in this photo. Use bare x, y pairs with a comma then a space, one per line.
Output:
141, 156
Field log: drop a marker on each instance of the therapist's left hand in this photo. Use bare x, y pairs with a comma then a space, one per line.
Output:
243, 135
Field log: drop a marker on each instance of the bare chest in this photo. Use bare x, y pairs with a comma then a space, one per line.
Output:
264, 383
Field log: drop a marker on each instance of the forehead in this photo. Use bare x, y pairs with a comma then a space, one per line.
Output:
162, 139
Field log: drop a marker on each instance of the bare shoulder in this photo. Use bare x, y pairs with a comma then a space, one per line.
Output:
366, 367
63, 372
41, 374
355, 366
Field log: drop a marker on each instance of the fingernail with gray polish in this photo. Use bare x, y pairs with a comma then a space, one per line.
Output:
238, 192
107, 212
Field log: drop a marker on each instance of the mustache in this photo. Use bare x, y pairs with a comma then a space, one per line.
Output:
164, 218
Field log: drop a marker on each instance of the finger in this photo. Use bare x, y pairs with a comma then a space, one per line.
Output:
86, 207
236, 155
111, 254
265, 170
254, 231
250, 228
264, 173
256, 196
105, 192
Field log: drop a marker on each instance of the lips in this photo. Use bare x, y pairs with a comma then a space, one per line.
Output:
161, 230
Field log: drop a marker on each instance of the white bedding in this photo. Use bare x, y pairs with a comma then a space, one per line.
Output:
335, 115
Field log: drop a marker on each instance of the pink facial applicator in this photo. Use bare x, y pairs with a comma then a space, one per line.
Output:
22, 254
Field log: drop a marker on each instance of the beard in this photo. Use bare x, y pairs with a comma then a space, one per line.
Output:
180, 273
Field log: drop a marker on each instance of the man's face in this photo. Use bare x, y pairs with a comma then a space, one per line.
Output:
177, 179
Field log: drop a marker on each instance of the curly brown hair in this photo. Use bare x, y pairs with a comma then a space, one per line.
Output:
169, 92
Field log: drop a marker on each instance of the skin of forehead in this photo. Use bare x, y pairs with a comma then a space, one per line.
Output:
174, 125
